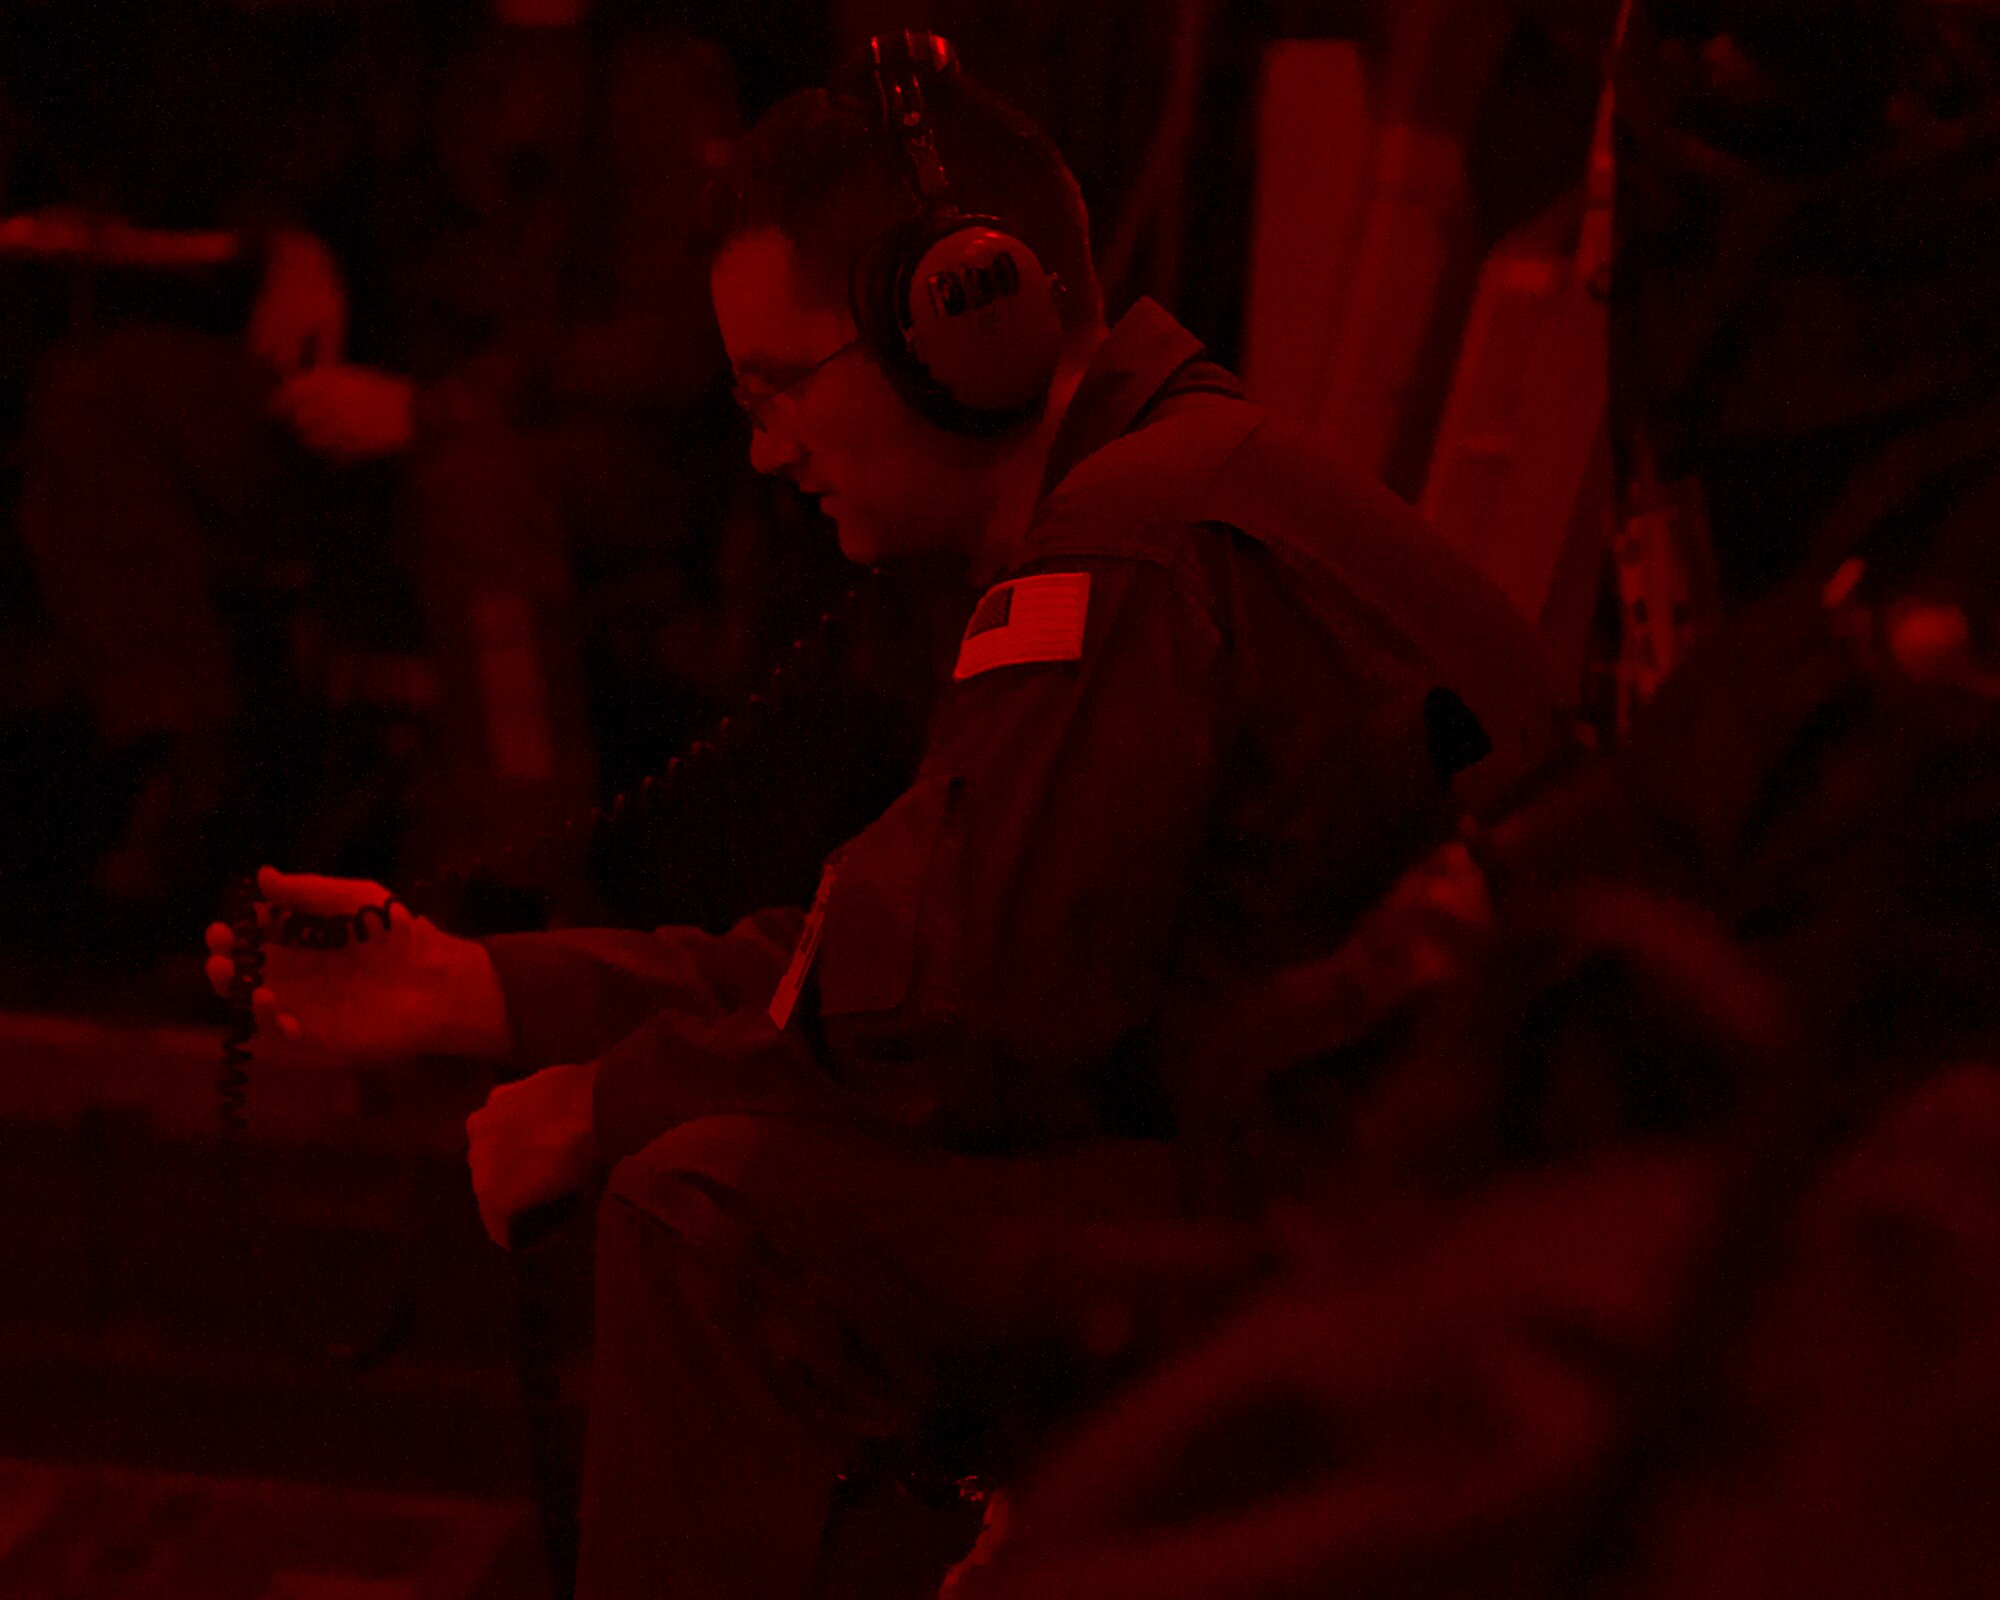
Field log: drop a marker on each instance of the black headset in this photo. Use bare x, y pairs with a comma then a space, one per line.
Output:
960, 313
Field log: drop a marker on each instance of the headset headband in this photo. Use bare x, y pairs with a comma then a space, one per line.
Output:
898, 63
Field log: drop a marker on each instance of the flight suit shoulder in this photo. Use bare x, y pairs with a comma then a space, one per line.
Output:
1135, 498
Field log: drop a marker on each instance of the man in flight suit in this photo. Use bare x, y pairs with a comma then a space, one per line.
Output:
1210, 701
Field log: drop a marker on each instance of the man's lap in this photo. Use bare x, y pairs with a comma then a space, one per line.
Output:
919, 1256
972, 1231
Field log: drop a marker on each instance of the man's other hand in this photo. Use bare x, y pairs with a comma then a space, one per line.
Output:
414, 990
349, 413
531, 1143
300, 319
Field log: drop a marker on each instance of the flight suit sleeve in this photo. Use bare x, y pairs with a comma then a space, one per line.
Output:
996, 945
993, 945
682, 1065
572, 994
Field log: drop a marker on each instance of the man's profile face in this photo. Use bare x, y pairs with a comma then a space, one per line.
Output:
892, 483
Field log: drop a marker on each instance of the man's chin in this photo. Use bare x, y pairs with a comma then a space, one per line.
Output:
859, 542
869, 542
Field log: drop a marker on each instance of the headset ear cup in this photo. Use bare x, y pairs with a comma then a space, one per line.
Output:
964, 318
979, 313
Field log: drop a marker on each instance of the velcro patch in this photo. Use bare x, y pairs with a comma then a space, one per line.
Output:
1026, 619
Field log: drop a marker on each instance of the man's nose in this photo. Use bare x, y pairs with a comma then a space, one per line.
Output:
774, 452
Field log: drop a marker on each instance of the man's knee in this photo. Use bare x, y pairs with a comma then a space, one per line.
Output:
689, 1179
719, 1226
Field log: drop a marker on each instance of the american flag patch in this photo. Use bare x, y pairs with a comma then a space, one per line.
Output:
1026, 619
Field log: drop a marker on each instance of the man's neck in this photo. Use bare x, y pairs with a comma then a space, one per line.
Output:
1021, 476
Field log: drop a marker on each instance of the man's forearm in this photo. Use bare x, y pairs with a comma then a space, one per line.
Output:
569, 995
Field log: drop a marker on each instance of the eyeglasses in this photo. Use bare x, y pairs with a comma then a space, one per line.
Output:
754, 403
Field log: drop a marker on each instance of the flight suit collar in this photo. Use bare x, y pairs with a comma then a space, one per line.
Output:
1137, 360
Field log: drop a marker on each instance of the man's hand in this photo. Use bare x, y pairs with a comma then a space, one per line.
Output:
349, 413
414, 990
531, 1143
300, 319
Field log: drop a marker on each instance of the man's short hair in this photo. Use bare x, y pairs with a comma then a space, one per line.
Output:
818, 168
